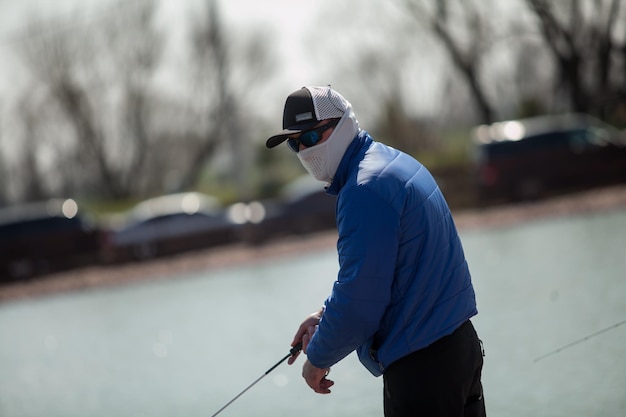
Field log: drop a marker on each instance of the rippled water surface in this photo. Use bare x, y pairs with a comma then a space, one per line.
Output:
184, 346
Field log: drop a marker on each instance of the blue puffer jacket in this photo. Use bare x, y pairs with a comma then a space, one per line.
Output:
403, 280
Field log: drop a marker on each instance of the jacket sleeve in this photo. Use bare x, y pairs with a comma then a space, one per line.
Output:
368, 244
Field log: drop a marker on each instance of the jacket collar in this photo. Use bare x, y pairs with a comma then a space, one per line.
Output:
353, 155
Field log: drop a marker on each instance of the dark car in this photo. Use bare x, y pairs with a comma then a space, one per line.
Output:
168, 225
302, 207
45, 237
532, 158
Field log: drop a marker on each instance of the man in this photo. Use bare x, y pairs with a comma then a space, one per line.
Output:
403, 295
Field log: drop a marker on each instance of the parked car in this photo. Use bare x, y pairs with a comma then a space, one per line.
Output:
531, 158
45, 237
301, 208
167, 225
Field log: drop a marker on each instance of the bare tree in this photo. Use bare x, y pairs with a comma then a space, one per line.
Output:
210, 74
33, 186
586, 40
463, 29
130, 138
588, 44
224, 75
89, 71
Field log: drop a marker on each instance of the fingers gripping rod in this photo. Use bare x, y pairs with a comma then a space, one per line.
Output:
292, 352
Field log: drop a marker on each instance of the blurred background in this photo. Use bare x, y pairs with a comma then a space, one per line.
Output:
135, 130
108, 103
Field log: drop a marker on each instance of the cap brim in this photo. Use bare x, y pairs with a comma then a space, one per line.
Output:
282, 136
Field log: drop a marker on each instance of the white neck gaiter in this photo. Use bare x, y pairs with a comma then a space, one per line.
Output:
322, 161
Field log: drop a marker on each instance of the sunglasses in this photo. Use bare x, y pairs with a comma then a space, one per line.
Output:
310, 137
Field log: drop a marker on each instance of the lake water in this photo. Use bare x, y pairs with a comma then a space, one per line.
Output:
186, 345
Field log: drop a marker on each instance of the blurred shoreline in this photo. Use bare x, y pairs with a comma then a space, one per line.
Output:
587, 202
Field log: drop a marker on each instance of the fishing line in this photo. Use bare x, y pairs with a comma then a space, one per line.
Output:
569, 345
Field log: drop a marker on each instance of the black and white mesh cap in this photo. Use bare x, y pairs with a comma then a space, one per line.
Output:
307, 107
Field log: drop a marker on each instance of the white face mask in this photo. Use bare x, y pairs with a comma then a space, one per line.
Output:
322, 161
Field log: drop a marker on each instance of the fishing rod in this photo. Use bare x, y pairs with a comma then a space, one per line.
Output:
292, 352
575, 342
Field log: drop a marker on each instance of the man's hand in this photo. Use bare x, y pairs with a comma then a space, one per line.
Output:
305, 333
316, 378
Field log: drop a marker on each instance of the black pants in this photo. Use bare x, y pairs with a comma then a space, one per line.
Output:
442, 379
